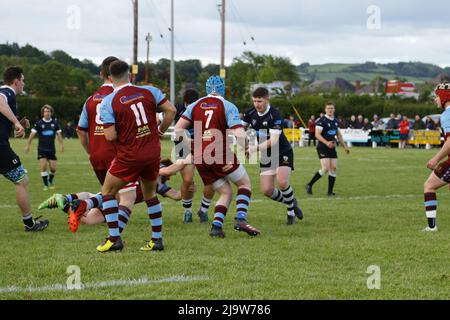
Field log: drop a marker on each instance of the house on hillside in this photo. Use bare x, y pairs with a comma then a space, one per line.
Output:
277, 87
370, 90
401, 89
328, 86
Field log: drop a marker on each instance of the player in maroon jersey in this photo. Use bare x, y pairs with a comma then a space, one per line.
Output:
129, 117
101, 152
212, 117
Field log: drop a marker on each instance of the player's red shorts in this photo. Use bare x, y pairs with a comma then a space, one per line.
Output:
213, 172
132, 171
443, 171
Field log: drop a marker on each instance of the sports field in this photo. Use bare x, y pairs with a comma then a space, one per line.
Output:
375, 219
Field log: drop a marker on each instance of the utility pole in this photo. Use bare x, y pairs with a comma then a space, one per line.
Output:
172, 56
135, 39
148, 38
222, 44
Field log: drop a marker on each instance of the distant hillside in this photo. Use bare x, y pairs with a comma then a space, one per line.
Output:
417, 72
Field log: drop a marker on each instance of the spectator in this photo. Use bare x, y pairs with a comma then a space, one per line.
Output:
69, 131
312, 131
343, 124
367, 126
418, 123
377, 123
288, 123
359, 122
392, 123
404, 132
429, 124
352, 122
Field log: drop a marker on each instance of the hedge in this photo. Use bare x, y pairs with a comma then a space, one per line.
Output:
69, 109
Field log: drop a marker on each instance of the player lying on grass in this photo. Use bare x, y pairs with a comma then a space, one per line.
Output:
128, 197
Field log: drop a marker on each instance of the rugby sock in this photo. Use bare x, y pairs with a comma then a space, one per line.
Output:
51, 177
28, 220
242, 202
187, 204
206, 203
431, 208
44, 176
317, 176
124, 216
277, 195
154, 211
220, 213
288, 199
111, 212
94, 202
70, 198
331, 182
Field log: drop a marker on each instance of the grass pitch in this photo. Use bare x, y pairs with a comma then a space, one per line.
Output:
375, 219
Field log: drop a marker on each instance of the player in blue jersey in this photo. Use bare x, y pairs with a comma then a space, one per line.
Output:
277, 156
327, 129
10, 165
441, 171
47, 129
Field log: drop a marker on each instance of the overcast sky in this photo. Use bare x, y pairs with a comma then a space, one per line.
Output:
315, 31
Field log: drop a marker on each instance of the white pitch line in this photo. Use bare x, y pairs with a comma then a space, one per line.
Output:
104, 284
358, 198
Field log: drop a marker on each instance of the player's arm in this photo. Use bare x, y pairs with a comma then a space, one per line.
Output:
342, 142
30, 140
7, 112
329, 144
169, 114
273, 140
241, 138
444, 152
110, 132
84, 139
83, 129
108, 118
60, 139
176, 167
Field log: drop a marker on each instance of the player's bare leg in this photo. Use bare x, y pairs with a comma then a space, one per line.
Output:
430, 188
23, 201
52, 165
332, 176
187, 194
154, 211
325, 168
43, 165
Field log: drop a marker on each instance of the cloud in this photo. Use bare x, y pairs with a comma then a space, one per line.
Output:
305, 31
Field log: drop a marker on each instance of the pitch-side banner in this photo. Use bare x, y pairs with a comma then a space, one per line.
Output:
355, 135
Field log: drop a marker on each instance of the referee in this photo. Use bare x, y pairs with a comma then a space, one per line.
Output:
327, 129
47, 129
